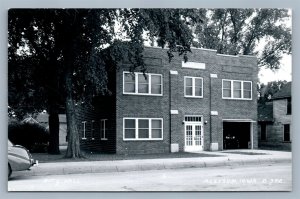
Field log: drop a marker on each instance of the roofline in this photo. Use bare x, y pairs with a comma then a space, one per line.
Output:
206, 49
283, 97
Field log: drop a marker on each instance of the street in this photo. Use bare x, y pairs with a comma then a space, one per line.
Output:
246, 178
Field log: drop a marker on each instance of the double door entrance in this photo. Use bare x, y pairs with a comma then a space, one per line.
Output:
193, 133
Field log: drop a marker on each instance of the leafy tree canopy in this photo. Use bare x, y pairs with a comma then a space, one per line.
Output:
266, 91
260, 32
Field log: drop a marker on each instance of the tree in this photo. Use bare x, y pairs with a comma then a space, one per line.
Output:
241, 31
67, 45
267, 91
33, 68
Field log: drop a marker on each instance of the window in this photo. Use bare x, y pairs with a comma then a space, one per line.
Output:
142, 84
263, 132
193, 87
143, 129
103, 129
286, 133
193, 118
92, 129
236, 89
83, 130
289, 106
227, 89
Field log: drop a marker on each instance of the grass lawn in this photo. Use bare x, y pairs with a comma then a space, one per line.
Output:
89, 156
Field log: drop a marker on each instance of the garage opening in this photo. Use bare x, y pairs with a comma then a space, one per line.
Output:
237, 135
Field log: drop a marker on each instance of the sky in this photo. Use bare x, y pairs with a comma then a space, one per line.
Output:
284, 73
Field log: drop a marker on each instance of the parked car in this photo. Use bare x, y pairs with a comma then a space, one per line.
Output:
19, 158
231, 142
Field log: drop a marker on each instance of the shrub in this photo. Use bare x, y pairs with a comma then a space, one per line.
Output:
33, 136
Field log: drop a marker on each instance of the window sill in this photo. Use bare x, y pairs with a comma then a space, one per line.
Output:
196, 97
159, 139
104, 139
242, 99
83, 138
286, 141
144, 94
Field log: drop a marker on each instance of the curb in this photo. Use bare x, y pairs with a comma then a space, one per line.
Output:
46, 169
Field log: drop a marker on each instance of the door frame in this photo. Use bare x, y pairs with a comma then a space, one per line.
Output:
242, 120
194, 123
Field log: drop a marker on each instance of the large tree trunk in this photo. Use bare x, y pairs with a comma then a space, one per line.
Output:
73, 150
71, 31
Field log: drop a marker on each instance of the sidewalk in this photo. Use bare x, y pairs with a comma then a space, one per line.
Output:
225, 158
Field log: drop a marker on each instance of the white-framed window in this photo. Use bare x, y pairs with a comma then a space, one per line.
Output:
142, 128
92, 129
193, 118
83, 130
236, 89
142, 84
103, 129
193, 87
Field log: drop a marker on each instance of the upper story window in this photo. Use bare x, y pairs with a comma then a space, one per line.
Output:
289, 106
143, 128
236, 89
193, 87
142, 84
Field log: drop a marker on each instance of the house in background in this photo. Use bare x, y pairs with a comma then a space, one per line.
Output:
207, 103
274, 120
43, 118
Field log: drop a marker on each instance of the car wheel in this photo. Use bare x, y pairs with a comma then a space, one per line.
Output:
9, 171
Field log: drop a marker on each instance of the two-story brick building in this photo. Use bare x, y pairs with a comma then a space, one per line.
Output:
207, 103
274, 120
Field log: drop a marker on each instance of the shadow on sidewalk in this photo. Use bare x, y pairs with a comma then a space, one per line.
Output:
93, 156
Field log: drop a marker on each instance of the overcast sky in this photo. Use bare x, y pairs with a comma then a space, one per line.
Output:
284, 73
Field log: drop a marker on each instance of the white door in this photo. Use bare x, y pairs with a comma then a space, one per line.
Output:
193, 137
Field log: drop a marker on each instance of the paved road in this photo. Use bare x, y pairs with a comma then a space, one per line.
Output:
247, 178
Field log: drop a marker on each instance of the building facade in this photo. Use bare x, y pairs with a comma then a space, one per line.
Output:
207, 103
275, 130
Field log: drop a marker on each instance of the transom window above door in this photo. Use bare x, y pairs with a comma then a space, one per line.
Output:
142, 83
192, 118
193, 87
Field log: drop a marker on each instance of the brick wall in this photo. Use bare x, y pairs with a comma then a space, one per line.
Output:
92, 128
225, 67
102, 107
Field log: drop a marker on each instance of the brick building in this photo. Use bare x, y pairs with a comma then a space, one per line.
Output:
207, 103
274, 121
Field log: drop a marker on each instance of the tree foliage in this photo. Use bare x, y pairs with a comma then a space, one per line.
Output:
65, 48
266, 91
260, 32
